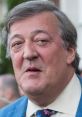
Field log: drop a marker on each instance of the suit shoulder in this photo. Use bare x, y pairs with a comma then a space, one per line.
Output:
14, 107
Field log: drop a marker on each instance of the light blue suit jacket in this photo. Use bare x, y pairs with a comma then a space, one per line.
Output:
18, 108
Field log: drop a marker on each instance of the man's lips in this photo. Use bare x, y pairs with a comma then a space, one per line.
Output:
32, 69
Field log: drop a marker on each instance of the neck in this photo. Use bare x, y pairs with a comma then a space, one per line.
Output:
50, 95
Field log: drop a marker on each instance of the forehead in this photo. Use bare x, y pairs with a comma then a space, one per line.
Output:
45, 21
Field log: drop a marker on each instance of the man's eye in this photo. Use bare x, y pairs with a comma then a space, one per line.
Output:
42, 42
16, 46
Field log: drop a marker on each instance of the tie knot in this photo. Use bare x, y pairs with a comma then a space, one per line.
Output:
45, 113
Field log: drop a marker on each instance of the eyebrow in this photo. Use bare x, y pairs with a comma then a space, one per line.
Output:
34, 33
38, 32
17, 36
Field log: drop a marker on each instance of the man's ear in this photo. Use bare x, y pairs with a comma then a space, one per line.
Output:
71, 55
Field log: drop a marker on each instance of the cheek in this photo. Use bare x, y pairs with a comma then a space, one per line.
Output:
16, 61
51, 56
55, 58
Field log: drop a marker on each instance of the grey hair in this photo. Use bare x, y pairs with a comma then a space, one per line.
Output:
28, 9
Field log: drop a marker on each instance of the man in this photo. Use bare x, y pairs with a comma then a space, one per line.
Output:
8, 88
42, 43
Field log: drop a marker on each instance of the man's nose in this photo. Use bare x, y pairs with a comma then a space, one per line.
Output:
30, 52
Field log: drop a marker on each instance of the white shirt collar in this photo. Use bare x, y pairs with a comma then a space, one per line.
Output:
67, 102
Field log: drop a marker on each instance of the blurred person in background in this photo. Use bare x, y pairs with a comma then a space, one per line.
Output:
3, 102
8, 87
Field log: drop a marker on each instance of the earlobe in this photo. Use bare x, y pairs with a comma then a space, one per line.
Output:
71, 55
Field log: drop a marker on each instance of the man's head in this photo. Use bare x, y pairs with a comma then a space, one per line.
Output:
8, 87
41, 42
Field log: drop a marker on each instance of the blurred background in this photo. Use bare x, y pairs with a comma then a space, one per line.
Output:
72, 8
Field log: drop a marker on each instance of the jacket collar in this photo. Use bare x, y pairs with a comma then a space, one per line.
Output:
19, 109
79, 110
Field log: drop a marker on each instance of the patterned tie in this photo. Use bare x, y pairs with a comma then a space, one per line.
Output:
44, 113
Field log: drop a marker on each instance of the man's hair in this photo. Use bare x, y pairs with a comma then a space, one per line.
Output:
31, 8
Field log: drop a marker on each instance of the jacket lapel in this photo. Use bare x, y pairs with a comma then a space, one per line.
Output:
79, 110
20, 108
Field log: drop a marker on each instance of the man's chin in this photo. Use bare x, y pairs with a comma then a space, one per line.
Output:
33, 91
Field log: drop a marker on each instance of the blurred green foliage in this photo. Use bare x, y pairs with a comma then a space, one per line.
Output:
5, 63
12, 3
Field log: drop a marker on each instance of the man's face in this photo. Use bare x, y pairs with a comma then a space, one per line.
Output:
38, 55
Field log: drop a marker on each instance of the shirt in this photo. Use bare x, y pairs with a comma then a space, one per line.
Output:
66, 103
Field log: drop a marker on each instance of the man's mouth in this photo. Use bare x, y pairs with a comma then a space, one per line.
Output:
33, 69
